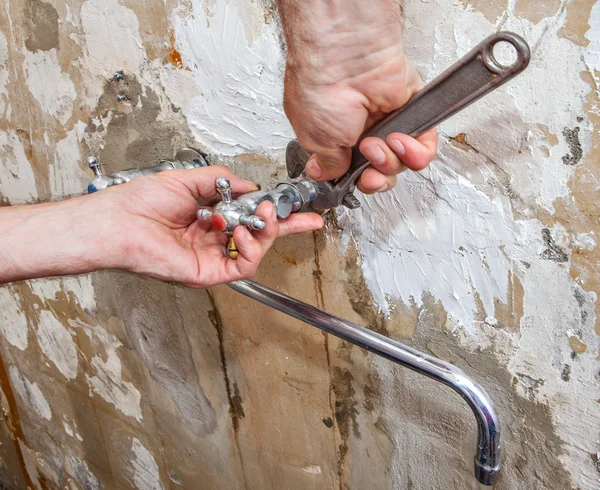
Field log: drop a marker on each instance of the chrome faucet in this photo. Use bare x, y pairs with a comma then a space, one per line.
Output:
487, 456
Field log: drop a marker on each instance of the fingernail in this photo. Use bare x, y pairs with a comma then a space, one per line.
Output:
274, 214
374, 154
397, 146
249, 236
313, 170
383, 188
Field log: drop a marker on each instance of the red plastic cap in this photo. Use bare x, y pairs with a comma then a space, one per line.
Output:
218, 222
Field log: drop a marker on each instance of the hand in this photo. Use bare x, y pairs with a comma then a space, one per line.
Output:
147, 226
163, 238
346, 69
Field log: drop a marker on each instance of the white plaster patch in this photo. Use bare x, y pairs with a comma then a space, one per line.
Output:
112, 37
436, 232
109, 384
52, 88
313, 469
143, 467
439, 233
13, 322
545, 367
17, 181
65, 172
5, 109
235, 104
68, 429
80, 286
461, 227
57, 344
30, 393
82, 473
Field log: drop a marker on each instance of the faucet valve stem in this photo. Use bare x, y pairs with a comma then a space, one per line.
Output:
204, 214
224, 189
95, 166
252, 222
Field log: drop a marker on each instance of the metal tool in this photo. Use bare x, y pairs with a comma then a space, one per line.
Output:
487, 456
474, 76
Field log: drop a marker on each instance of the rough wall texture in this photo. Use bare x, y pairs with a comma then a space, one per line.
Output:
489, 259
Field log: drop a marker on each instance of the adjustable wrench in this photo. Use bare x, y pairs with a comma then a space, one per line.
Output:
475, 75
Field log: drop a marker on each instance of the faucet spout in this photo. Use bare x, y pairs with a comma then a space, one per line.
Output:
487, 457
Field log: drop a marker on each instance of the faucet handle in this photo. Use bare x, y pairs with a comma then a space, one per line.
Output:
94, 165
224, 189
100, 181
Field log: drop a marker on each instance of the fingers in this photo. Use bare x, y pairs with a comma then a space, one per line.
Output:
201, 182
299, 223
394, 155
329, 165
416, 154
372, 180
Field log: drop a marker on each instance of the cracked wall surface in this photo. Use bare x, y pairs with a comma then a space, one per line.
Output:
488, 259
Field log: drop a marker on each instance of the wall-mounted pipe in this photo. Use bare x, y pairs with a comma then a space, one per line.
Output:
487, 457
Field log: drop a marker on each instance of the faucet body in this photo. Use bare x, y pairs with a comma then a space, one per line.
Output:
487, 456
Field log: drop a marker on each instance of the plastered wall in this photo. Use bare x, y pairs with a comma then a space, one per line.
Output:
488, 259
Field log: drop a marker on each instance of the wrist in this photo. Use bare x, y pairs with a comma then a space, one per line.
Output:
337, 40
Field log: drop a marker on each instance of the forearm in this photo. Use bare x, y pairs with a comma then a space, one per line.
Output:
52, 239
340, 35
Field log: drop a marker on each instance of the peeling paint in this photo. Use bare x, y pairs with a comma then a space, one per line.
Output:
108, 383
13, 323
489, 259
4, 99
66, 175
53, 89
144, 468
17, 180
112, 37
82, 473
30, 393
56, 342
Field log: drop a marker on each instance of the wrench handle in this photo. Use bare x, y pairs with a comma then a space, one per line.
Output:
469, 79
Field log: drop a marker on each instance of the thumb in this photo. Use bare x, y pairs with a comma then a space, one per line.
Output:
329, 165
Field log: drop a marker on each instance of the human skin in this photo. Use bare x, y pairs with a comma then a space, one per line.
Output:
345, 70
147, 226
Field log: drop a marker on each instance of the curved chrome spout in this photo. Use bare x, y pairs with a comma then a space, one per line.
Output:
487, 458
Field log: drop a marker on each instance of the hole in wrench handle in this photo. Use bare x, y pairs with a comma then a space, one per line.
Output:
475, 75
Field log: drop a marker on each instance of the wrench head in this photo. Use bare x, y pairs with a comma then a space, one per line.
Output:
296, 158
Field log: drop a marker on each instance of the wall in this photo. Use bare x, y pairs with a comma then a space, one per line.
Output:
488, 259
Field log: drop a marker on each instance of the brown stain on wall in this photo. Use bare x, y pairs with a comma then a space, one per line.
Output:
509, 315
41, 26
579, 212
236, 410
491, 9
174, 56
577, 345
576, 25
538, 10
